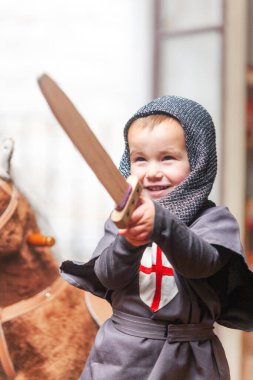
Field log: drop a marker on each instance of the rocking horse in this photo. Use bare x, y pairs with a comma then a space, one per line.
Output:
46, 328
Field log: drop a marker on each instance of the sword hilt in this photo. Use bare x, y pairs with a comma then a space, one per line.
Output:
122, 216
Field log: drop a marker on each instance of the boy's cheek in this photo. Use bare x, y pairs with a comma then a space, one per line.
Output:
137, 171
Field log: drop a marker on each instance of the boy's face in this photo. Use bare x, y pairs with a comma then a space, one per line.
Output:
158, 156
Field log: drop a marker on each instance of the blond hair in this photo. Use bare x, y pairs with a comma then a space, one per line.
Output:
151, 121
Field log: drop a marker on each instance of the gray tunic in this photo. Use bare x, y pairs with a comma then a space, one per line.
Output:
213, 283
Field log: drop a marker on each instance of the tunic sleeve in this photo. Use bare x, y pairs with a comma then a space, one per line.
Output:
82, 275
190, 253
233, 284
113, 265
118, 263
219, 227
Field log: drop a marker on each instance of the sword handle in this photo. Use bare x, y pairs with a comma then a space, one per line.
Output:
121, 217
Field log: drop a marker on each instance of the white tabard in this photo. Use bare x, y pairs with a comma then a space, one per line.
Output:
156, 278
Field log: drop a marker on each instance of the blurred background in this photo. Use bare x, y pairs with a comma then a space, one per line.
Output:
111, 57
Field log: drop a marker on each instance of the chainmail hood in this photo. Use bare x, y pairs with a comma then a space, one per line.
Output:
188, 198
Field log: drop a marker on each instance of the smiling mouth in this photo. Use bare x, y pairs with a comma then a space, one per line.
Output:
157, 188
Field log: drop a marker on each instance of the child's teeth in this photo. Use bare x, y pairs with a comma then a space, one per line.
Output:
157, 187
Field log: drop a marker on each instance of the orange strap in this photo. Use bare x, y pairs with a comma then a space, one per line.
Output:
10, 312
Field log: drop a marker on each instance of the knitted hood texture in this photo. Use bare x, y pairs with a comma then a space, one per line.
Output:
191, 196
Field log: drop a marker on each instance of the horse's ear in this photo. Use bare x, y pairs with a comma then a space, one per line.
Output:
6, 151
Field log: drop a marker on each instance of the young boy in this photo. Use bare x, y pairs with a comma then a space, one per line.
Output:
178, 267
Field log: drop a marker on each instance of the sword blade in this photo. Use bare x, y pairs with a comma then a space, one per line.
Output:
84, 139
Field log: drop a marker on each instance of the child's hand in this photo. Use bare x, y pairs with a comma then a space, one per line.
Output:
141, 223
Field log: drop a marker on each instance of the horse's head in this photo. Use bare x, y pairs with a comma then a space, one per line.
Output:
24, 252
17, 218
18, 227
10, 232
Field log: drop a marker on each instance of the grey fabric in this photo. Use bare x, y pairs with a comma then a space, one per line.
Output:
151, 328
187, 251
233, 284
219, 227
117, 355
191, 196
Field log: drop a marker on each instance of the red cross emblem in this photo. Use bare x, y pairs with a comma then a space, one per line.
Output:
157, 283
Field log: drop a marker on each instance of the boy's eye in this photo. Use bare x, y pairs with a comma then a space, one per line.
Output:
139, 159
167, 158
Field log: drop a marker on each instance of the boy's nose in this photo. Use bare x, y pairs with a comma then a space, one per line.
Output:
154, 171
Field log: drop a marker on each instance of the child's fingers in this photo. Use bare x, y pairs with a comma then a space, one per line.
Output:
136, 216
139, 242
138, 212
135, 236
123, 231
141, 237
131, 234
136, 230
141, 222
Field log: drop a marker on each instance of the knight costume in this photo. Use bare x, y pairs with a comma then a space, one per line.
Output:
166, 296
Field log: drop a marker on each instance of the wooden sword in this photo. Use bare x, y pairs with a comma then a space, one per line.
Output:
125, 193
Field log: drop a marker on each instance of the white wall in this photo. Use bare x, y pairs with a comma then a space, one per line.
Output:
191, 62
100, 54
